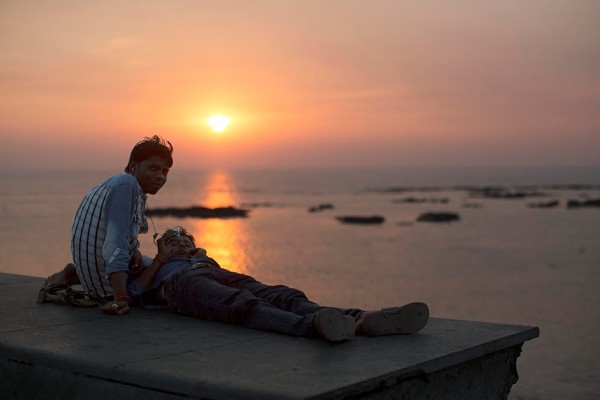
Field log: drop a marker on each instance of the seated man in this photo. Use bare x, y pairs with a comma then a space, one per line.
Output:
182, 278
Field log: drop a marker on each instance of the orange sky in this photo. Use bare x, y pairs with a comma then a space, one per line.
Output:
305, 83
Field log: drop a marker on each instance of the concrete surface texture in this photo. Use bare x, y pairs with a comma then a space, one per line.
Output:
50, 351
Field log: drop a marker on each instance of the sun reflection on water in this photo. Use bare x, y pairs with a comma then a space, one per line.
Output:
223, 239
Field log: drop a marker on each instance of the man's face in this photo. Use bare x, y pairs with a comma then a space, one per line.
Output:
151, 173
182, 246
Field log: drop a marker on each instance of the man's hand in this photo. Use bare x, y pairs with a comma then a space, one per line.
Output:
165, 250
136, 263
115, 308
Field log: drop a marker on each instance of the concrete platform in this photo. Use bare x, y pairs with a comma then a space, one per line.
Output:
49, 351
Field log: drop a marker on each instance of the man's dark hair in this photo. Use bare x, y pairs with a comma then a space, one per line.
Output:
154, 146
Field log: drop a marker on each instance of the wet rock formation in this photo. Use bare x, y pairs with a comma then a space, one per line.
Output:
360, 219
544, 204
583, 203
438, 217
198, 212
321, 207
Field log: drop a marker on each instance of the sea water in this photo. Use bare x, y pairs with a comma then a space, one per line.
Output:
502, 262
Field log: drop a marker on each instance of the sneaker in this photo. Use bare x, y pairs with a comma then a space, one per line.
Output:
334, 326
409, 318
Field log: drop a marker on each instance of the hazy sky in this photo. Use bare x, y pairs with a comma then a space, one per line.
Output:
305, 82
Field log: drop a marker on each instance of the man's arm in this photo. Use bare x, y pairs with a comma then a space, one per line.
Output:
115, 251
146, 278
120, 305
119, 219
118, 281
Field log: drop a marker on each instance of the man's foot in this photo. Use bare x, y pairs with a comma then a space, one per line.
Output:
409, 318
334, 326
67, 277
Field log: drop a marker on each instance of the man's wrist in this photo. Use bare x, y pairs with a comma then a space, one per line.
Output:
159, 260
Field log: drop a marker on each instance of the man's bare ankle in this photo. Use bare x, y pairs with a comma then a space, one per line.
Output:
66, 276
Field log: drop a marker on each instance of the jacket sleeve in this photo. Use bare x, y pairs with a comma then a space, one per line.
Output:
119, 218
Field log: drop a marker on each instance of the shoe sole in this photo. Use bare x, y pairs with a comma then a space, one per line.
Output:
407, 319
334, 326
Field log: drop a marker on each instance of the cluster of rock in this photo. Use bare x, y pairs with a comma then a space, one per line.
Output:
421, 200
404, 189
570, 204
472, 205
544, 204
435, 217
257, 205
198, 212
503, 193
583, 203
361, 219
321, 207
438, 217
518, 191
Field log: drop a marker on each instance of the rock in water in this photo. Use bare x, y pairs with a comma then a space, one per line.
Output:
438, 217
359, 219
198, 212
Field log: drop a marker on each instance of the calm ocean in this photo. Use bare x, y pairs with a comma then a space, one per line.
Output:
502, 262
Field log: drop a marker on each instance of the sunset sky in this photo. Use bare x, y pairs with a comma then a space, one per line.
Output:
316, 83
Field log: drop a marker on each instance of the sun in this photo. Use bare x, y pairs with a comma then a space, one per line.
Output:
218, 123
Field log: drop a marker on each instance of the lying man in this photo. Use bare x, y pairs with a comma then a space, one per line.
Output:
183, 279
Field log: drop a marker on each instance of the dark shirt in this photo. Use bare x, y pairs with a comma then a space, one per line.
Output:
146, 297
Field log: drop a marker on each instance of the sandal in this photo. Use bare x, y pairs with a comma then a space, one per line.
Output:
67, 295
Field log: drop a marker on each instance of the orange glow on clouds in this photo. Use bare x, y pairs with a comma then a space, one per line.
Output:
439, 84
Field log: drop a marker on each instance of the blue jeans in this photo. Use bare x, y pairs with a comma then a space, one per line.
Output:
215, 294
